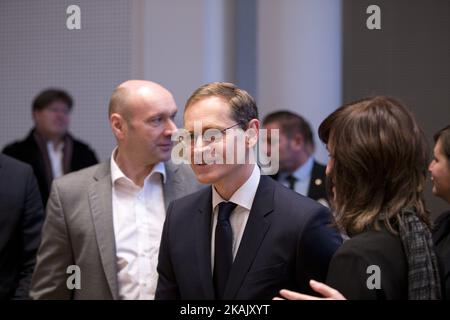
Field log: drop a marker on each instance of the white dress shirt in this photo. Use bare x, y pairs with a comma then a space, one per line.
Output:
56, 158
303, 176
138, 216
243, 197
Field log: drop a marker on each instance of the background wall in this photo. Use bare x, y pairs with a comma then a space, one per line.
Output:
38, 51
409, 59
308, 56
299, 54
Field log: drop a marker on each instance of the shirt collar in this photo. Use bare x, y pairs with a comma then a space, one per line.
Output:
243, 196
51, 146
117, 173
304, 171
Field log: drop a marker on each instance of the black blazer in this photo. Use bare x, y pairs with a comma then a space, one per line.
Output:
441, 238
317, 188
348, 269
287, 241
21, 217
28, 151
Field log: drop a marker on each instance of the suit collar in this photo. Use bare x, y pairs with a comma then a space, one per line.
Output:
100, 201
203, 242
317, 183
103, 170
173, 186
117, 173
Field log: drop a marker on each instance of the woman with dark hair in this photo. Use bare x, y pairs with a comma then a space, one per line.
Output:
377, 172
440, 176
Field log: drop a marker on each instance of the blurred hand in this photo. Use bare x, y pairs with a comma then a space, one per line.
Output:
327, 292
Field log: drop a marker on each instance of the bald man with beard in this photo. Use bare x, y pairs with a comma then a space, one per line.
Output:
102, 232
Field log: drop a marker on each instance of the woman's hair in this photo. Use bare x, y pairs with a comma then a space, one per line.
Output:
444, 136
379, 157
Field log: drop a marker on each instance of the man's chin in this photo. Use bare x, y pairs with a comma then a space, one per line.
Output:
58, 133
163, 157
204, 173
204, 180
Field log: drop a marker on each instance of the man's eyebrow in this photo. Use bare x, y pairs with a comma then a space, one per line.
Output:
162, 114
204, 128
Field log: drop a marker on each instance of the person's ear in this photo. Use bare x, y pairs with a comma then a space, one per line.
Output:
118, 125
252, 133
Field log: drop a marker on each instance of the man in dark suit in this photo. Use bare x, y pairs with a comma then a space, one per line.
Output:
49, 148
21, 217
298, 169
247, 236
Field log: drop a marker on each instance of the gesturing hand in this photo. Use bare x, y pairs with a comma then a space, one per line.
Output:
327, 292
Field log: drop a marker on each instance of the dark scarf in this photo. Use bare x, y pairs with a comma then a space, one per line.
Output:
423, 274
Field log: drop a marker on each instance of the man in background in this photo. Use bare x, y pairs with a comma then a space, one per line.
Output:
49, 148
298, 169
107, 219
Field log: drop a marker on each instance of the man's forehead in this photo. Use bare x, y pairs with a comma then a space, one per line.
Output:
204, 124
58, 103
273, 124
210, 106
145, 96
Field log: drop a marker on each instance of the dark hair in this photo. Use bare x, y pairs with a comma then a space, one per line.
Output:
48, 96
379, 157
242, 105
444, 136
291, 124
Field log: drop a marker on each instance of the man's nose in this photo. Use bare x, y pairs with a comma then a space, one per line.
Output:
171, 127
198, 145
61, 115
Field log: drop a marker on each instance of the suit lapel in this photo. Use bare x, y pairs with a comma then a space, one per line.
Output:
100, 199
316, 188
203, 244
257, 226
172, 186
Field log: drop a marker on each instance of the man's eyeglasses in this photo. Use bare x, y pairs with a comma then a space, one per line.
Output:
210, 135
224, 130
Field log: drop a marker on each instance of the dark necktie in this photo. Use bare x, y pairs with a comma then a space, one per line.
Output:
291, 180
223, 247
